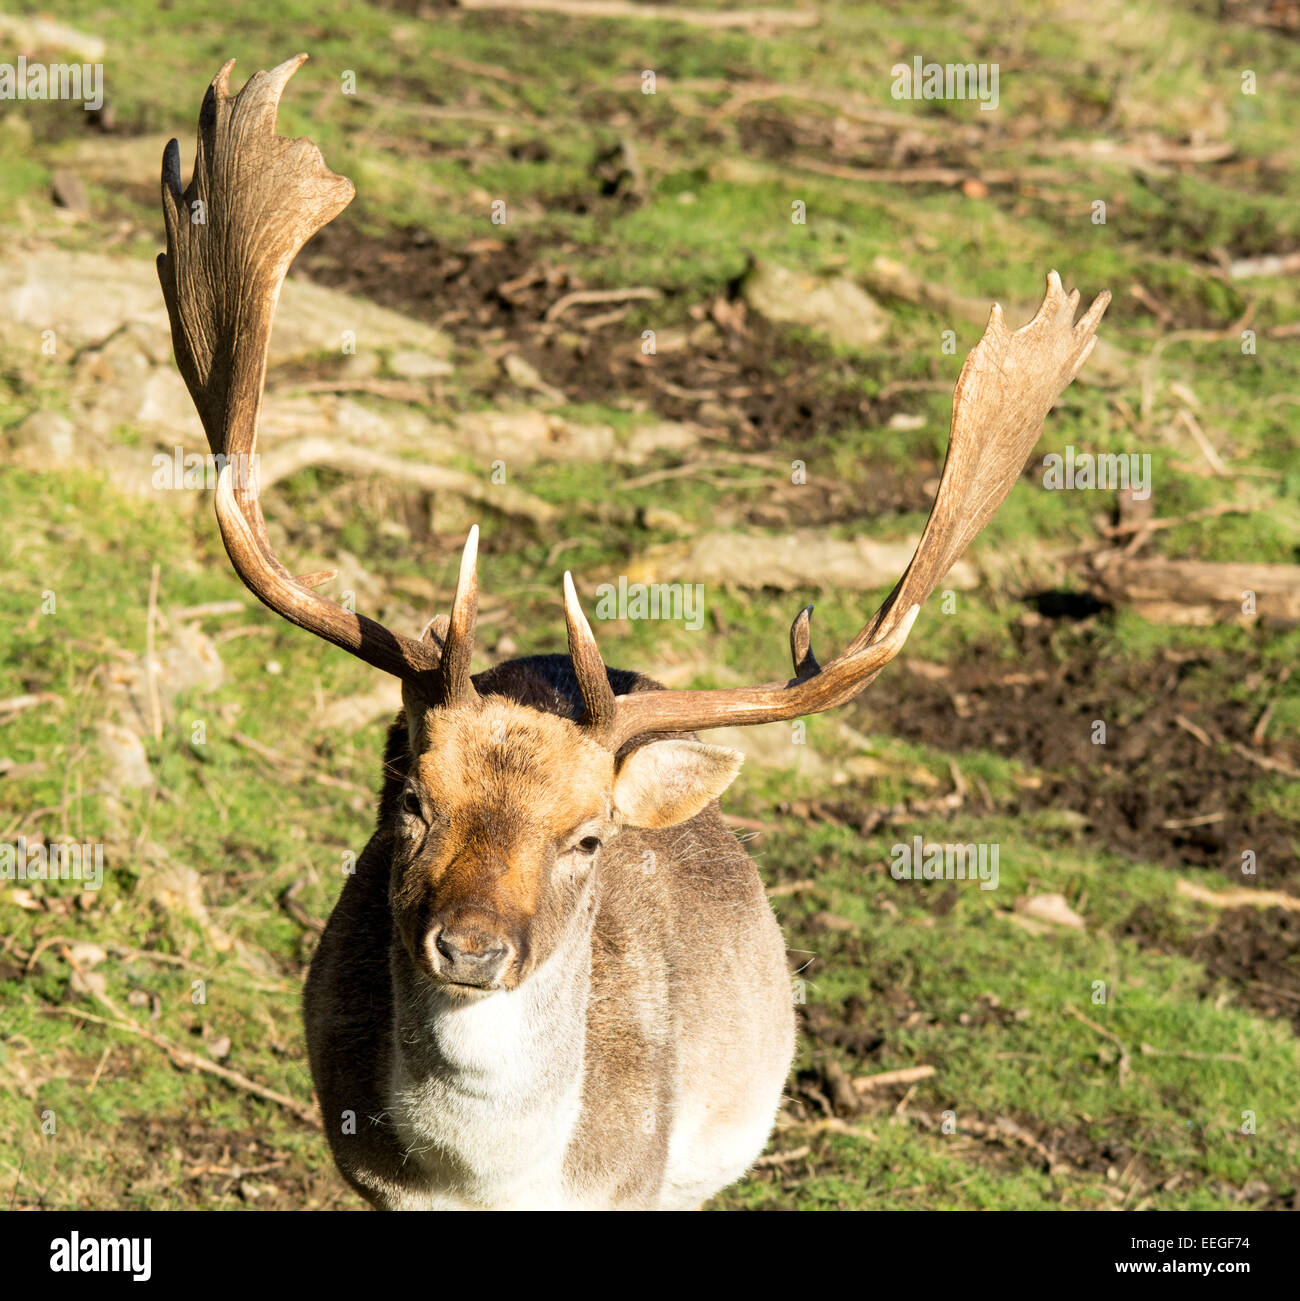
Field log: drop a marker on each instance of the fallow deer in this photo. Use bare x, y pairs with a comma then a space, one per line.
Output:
554, 979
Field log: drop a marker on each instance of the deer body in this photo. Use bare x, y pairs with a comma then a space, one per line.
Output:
640, 1065
553, 979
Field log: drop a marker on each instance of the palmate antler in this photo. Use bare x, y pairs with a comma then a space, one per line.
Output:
256, 198
1003, 394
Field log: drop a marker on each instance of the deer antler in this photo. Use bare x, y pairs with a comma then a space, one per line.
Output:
1004, 392
256, 198
253, 202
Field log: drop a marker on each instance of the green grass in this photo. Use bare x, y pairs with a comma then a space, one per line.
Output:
253, 827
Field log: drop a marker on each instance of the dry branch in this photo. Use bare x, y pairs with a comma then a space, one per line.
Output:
712, 18
288, 458
907, 1075
192, 1061
1238, 898
1198, 591
1124, 1059
579, 296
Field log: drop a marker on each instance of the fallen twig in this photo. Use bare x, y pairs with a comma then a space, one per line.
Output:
716, 18
209, 610
16, 704
580, 296
1173, 521
931, 175
782, 1158
1238, 898
1191, 728
1182, 824
906, 1075
1124, 1060
99, 1069
192, 1061
790, 887
288, 458
300, 914
1270, 264
1197, 591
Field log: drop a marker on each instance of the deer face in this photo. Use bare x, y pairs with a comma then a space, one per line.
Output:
499, 830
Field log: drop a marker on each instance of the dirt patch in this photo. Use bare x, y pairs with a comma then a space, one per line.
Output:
821, 1097
1256, 950
1153, 791
764, 389
1274, 15
225, 1166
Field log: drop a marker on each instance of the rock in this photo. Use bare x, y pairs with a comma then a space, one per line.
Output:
44, 440
1051, 908
410, 364
526, 436
774, 745
129, 379
313, 319
350, 713
828, 921
645, 441
176, 888
124, 756
831, 305
360, 365
86, 297
94, 983
68, 191
803, 560
906, 421
134, 155
87, 955
738, 170
30, 34
190, 661
164, 403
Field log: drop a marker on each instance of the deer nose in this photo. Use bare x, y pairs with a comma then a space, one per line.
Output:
470, 956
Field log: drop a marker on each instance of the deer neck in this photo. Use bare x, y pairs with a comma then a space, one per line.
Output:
504, 1041
486, 1093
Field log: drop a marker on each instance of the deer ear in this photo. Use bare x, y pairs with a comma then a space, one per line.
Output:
667, 782
416, 707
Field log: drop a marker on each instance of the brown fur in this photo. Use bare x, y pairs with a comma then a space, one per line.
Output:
689, 1001
507, 783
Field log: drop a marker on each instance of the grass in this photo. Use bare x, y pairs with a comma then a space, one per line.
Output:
198, 863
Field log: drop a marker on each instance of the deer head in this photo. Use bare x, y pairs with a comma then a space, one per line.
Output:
505, 806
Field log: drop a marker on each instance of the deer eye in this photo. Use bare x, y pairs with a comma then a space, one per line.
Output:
411, 805
588, 845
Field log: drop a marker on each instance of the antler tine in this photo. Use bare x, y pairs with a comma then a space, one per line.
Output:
451, 683
593, 682
801, 652
254, 200
1006, 388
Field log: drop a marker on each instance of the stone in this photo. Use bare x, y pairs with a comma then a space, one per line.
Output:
834, 306
124, 755
44, 440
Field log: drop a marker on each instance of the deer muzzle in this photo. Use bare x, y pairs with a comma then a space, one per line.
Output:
469, 947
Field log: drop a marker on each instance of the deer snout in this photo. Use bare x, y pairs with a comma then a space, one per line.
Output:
468, 953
